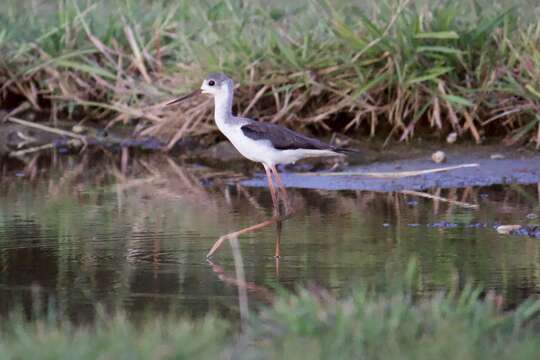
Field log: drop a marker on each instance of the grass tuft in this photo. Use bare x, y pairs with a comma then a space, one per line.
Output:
368, 324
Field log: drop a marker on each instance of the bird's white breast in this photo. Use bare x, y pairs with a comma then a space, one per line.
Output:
254, 150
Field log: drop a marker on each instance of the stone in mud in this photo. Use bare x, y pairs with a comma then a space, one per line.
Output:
496, 156
443, 225
476, 225
79, 129
438, 157
507, 229
451, 138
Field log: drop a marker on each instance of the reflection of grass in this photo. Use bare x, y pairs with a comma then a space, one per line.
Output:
312, 324
467, 66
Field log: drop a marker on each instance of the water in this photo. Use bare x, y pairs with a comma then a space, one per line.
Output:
84, 234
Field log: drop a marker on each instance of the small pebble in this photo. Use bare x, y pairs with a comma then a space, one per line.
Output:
78, 129
507, 229
476, 225
532, 216
443, 224
386, 225
497, 156
438, 157
451, 138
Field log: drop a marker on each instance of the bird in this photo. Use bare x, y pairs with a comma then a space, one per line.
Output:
266, 143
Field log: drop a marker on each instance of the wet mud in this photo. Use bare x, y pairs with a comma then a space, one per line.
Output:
509, 167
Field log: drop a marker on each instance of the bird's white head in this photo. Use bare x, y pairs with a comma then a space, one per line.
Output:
217, 84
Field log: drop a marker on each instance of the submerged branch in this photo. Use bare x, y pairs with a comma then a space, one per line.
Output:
440, 198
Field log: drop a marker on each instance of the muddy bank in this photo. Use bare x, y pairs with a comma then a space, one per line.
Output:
494, 167
496, 164
26, 138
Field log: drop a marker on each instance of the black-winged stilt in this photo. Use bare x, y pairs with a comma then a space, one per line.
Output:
267, 143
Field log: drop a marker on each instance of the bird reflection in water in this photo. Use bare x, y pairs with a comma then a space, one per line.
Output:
239, 279
279, 215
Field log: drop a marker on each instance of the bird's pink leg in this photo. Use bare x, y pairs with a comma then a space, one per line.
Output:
282, 189
273, 192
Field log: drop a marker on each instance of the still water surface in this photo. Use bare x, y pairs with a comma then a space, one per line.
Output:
87, 234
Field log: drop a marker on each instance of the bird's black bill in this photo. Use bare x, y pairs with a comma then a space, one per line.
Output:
182, 98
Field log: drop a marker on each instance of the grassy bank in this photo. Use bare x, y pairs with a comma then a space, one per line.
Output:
312, 324
396, 69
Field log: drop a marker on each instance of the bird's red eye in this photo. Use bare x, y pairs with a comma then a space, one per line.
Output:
211, 83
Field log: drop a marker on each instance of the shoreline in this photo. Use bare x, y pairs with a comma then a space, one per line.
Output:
513, 168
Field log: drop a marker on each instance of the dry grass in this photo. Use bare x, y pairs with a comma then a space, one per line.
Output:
394, 69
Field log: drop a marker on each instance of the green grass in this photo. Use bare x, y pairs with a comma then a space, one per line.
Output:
311, 324
393, 69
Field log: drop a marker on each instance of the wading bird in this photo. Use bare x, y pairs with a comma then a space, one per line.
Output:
258, 141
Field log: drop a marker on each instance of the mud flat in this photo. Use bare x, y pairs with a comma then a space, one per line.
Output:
507, 167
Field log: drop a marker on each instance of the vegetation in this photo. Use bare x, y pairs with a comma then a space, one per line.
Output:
392, 68
364, 325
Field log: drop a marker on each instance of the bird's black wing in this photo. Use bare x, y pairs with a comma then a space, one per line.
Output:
282, 138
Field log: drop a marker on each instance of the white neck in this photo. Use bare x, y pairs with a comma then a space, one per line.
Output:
223, 108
